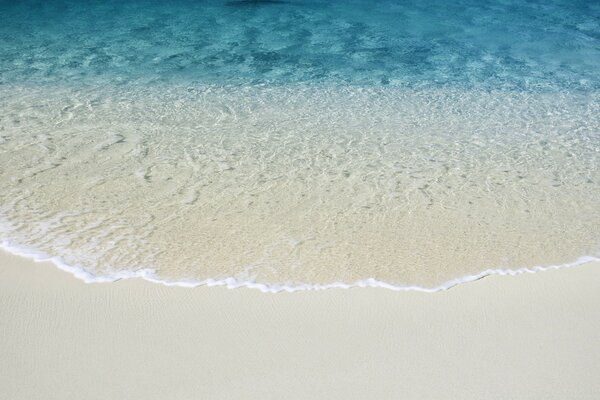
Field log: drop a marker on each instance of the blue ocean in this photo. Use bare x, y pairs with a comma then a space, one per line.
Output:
289, 144
512, 45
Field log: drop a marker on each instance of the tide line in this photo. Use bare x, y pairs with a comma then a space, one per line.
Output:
233, 283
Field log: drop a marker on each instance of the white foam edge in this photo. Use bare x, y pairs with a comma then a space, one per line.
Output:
233, 283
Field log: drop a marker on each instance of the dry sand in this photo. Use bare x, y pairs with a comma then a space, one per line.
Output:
534, 336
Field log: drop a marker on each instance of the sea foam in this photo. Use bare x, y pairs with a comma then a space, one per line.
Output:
233, 283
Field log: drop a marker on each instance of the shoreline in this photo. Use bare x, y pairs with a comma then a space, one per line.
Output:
532, 336
233, 283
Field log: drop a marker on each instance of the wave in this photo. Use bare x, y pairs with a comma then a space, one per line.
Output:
234, 283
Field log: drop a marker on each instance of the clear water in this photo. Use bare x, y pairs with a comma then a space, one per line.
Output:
493, 44
300, 143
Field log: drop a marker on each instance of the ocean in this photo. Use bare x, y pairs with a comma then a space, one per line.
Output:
291, 145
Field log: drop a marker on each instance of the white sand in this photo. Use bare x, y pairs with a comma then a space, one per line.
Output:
527, 337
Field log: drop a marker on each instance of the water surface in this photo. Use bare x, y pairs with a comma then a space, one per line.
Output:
300, 142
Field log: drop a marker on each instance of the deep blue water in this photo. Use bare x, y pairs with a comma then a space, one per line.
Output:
524, 45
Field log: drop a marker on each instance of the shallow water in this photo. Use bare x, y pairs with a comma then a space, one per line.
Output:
290, 143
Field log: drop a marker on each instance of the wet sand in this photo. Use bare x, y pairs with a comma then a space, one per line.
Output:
529, 336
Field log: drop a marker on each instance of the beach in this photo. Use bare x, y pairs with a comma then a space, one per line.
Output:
267, 199
530, 336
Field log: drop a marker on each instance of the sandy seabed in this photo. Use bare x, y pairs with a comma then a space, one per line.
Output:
534, 336
295, 184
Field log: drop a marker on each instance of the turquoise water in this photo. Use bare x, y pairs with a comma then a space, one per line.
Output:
519, 45
300, 144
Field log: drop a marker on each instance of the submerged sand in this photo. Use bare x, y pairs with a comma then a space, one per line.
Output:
301, 184
531, 336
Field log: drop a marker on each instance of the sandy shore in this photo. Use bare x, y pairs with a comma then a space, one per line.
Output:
528, 337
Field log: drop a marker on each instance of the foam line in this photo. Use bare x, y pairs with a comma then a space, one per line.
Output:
233, 283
